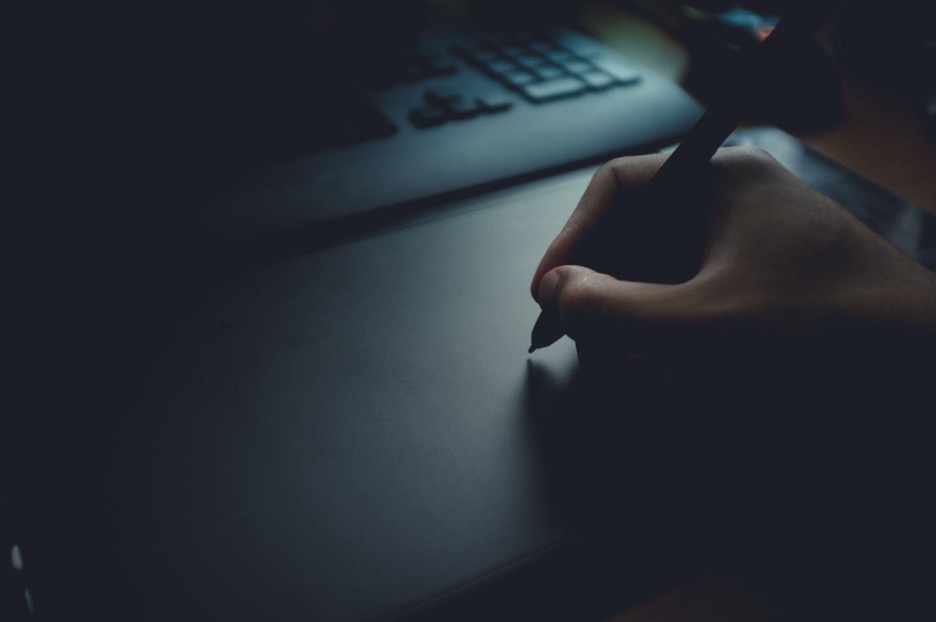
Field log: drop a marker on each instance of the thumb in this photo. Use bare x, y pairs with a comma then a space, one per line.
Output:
585, 304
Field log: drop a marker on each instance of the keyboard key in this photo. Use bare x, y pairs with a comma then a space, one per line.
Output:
558, 55
579, 45
598, 80
577, 65
462, 108
622, 72
551, 72
520, 78
563, 87
544, 68
457, 106
501, 66
531, 61
494, 103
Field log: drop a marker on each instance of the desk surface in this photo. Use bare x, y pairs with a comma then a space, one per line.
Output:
878, 140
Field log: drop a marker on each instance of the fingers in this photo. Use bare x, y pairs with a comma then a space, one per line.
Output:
783, 269
610, 183
616, 187
630, 305
588, 305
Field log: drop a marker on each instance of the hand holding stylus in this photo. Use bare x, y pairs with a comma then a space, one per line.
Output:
657, 237
779, 260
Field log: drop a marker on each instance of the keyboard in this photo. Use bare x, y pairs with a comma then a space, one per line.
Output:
541, 69
457, 113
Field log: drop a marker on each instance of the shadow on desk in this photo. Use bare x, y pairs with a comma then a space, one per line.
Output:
799, 477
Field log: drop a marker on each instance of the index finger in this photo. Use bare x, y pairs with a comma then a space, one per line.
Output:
613, 180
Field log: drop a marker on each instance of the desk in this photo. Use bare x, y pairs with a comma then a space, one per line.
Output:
908, 175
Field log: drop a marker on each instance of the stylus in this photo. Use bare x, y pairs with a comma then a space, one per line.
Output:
709, 133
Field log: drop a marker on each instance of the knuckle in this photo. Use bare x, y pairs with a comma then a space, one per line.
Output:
745, 160
609, 171
609, 166
634, 170
755, 153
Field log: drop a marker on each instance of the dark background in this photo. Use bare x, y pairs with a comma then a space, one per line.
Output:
121, 117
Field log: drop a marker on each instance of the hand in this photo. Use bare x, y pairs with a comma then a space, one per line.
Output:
788, 432
783, 266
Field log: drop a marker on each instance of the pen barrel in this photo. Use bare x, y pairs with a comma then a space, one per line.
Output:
666, 221
658, 233
654, 234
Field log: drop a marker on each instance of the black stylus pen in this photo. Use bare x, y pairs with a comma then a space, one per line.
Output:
709, 133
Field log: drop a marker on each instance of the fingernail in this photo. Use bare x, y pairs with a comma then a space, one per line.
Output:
548, 288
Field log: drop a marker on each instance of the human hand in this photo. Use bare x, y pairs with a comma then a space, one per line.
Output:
783, 266
755, 412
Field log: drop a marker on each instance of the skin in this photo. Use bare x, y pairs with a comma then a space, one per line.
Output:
782, 265
793, 371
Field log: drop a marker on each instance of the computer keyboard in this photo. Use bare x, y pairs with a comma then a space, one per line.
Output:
540, 68
546, 67
459, 112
